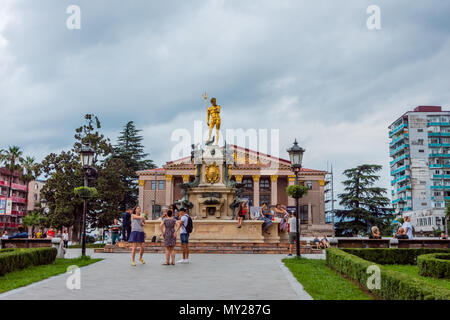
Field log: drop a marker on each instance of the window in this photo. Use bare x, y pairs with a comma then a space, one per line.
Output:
161, 185
264, 198
264, 184
308, 184
419, 130
153, 184
421, 151
248, 183
35, 197
36, 186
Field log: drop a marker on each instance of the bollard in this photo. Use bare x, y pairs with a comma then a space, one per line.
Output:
59, 245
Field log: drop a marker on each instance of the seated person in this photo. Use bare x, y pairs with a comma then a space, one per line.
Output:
443, 236
324, 243
5, 235
316, 242
376, 234
401, 234
20, 234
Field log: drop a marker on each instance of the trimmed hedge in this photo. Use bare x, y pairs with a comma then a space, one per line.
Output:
22, 258
435, 265
392, 255
394, 285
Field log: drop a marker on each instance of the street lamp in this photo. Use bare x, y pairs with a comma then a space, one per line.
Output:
87, 160
296, 157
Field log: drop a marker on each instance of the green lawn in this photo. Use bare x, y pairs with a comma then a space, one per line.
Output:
29, 275
322, 283
413, 271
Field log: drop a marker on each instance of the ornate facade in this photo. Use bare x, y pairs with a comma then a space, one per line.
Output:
265, 179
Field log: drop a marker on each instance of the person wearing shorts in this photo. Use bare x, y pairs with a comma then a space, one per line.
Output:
184, 235
292, 232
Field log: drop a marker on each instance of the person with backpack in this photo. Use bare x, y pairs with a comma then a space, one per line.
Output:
186, 226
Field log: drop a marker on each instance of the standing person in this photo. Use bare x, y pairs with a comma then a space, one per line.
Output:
292, 232
407, 226
65, 238
267, 216
167, 228
175, 211
242, 211
185, 224
126, 224
137, 234
115, 232
281, 213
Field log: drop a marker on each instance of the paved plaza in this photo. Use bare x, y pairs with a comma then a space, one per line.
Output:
208, 276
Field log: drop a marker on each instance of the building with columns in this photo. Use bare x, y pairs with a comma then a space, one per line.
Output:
265, 178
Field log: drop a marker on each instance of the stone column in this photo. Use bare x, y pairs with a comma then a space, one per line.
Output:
169, 189
256, 190
274, 189
141, 193
310, 216
291, 182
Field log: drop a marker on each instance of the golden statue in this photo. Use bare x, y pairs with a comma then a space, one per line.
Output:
213, 114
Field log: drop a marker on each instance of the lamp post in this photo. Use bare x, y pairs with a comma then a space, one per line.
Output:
296, 157
87, 160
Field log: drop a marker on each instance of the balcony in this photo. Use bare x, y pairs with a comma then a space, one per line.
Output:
403, 168
439, 155
4, 183
403, 146
18, 213
404, 136
402, 178
432, 166
438, 124
20, 187
398, 129
439, 134
406, 155
441, 176
18, 200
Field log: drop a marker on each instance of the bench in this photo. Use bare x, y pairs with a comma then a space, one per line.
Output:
25, 243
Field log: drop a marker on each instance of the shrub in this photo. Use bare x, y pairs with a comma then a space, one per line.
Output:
435, 265
295, 191
22, 258
86, 192
392, 255
394, 285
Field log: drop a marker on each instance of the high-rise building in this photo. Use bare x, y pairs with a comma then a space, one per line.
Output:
420, 166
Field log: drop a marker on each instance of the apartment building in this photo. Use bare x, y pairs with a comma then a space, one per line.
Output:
420, 167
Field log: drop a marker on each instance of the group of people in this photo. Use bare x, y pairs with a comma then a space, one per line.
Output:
40, 234
172, 221
265, 214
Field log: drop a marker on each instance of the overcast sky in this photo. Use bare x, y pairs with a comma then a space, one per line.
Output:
311, 69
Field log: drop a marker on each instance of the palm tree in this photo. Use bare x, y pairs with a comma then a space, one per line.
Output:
12, 159
31, 171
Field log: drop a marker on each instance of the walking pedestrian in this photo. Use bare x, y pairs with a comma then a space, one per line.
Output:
137, 235
65, 238
292, 232
167, 228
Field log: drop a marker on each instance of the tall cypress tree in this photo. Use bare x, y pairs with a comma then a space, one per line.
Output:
130, 151
365, 204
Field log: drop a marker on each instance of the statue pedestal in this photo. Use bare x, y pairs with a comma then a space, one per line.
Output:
223, 231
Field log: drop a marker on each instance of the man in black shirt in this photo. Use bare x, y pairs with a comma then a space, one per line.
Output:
126, 224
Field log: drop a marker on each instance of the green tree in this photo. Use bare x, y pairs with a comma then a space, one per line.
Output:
31, 170
34, 219
365, 205
12, 159
130, 151
65, 174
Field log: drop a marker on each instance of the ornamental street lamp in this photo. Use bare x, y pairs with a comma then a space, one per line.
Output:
87, 160
296, 156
